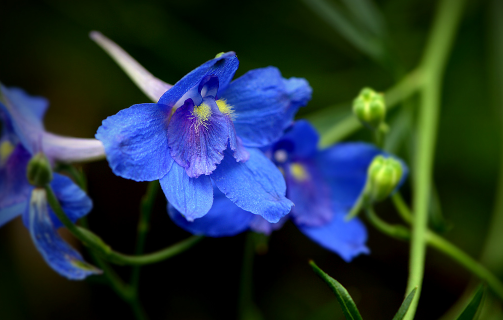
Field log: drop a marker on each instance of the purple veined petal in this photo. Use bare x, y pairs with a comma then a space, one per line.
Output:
192, 197
223, 67
224, 219
346, 238
66, 149
256, 185
153, 87
303, 139
309, 191
14, 186
73, 200
136, 142
198, 135
58, 254
261, 225
263, 106
25, 114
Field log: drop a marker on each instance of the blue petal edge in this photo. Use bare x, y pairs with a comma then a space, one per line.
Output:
256, 185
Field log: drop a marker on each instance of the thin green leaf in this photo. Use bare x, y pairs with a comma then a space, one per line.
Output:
405, 305
367, 14
470, 312
333, 16
348, 306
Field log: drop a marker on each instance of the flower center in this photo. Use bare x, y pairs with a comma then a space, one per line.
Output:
6, 149
298, 172
225, 108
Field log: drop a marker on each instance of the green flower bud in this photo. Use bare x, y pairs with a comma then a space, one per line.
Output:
39, 170
370, 108
384, 174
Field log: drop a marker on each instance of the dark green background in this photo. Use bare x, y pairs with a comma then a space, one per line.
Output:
45, 49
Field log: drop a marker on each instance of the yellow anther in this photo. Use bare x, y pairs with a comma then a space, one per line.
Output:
202, 113
298, 171
225, 108
6, 149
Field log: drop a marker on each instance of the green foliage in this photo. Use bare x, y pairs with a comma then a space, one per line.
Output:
470, 312
347, 304
405, 305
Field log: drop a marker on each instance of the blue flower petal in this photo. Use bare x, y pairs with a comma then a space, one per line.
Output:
347, 239
223, 67
55, 251
14, 186
198, 135
193, 197
225, 219
25, 113
310, 193
256, 185
73, 200
263, 105
304, 140
136, 142
299, 92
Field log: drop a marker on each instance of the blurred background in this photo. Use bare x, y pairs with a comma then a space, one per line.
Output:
45, 49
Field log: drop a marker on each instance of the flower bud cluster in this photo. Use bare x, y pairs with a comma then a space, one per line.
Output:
370, 108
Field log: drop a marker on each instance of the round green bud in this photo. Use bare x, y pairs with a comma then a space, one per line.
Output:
370, 108
39, 170
384, 174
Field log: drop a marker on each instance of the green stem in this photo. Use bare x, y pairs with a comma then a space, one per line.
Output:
401, 233
147, 204
465, 260
433, 65
245, 292
347, 126
95, 243
396, 231
402, 207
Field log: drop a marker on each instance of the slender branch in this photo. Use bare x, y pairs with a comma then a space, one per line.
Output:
433, 65
147, 204
435, 241
171, 251
95, 243
402, 208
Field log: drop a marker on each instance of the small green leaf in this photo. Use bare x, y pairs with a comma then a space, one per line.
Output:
470, 312
405, 305
348, 306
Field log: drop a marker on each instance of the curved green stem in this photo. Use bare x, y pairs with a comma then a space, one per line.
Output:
95, 243
402, 207
402, 233
465, 260
147, 204
171, 251
433, 65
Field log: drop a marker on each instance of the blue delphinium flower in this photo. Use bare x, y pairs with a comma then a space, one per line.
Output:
21, 136
206, 130
323, 184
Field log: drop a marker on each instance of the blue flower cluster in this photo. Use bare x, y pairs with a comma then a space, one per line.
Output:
323, 184
21, 137
227, 153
